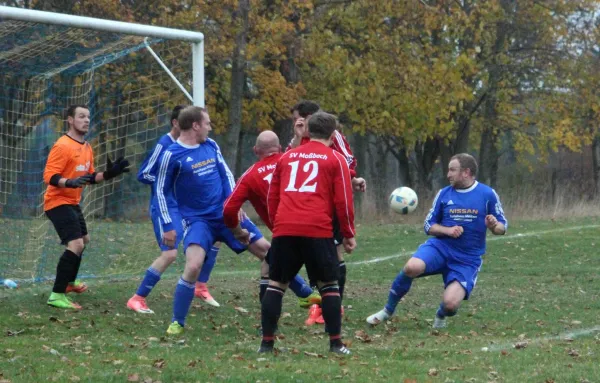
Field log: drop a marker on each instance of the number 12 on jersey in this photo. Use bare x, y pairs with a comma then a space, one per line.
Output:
311, 167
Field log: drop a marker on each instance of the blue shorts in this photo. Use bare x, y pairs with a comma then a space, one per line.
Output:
452, 265
158, 230
205, 233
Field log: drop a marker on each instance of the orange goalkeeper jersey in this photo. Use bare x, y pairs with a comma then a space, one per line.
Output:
70, 159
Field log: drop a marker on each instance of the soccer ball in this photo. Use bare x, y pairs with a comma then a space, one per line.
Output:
403, 200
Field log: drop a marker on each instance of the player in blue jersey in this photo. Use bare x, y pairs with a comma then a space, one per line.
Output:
458, 221
147, 175
194, 180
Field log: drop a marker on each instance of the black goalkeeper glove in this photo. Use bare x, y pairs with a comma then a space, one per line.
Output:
116, 168
79, 181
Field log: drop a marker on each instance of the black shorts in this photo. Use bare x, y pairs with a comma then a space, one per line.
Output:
68, 221
337, 232
288, 254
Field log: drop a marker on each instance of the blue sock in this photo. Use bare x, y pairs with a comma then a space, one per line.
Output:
442, 312
208, 265
182, 300
299, 286
150, 280
400, 287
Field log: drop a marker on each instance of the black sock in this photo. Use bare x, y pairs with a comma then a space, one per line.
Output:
331, 304
264, 283
74, 276
271, 311
66, 268
342, 280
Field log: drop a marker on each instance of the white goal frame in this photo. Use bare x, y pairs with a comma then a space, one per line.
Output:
196, 39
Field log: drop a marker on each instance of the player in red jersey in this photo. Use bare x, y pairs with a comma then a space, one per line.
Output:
311, 184
253, 186
301, 112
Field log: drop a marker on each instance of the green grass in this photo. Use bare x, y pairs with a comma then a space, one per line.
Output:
541, 290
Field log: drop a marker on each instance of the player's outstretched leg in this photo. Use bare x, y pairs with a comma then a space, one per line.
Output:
270, 313
400, 287
137, 302
201, 290
332, 303
306, 296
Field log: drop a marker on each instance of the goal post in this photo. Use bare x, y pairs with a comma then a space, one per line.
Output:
130, 76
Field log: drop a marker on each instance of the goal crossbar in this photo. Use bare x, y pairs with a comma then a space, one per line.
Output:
196, 38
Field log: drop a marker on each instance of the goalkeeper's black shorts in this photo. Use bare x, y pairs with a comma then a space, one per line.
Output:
68, 221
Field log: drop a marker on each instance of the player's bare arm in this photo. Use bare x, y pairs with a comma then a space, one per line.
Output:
496, 227
438, 230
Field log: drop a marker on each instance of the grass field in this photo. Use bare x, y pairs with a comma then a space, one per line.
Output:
538, 290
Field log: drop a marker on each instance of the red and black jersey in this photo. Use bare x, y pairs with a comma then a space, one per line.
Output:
310, 185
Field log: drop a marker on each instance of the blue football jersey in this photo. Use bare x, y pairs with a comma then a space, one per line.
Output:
195, 180
148, 169
466, 208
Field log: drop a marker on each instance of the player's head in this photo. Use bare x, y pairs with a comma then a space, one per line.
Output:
174, 117
462, 170
195, 121
304, 109
78, 118
321, 126
267, 143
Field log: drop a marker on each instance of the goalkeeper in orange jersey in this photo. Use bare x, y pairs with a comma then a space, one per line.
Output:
69, 168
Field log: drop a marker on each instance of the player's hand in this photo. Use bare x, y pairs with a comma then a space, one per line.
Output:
300, 128
169, 238
79, 181
113, 169
241, 215
359, 184
349, 244
242, 235
454, 231
490, 221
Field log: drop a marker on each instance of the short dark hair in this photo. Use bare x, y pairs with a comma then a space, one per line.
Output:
175, 113
321, 125
71, 110
306, 108
189, 115
466, 161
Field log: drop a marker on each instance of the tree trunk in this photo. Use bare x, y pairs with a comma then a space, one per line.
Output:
238, 78
359, 143
596, 163
426, 154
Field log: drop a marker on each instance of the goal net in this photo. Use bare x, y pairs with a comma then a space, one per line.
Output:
44, 68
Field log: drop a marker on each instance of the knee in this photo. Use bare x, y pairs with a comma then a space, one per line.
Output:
414, 268
451, 306
169, 256
76, 246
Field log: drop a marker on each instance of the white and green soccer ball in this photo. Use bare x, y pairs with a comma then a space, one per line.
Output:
403, 200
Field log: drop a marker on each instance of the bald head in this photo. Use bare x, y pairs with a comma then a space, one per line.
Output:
267, 143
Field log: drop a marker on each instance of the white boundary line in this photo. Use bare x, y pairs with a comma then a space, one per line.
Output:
569, 335
408, 253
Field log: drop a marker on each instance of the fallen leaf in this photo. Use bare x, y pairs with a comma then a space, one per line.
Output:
118, 362
574, 353
520, 345
410, 381
362, 336
457, 368
159, 363
432, 372
241, 309
133, 378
